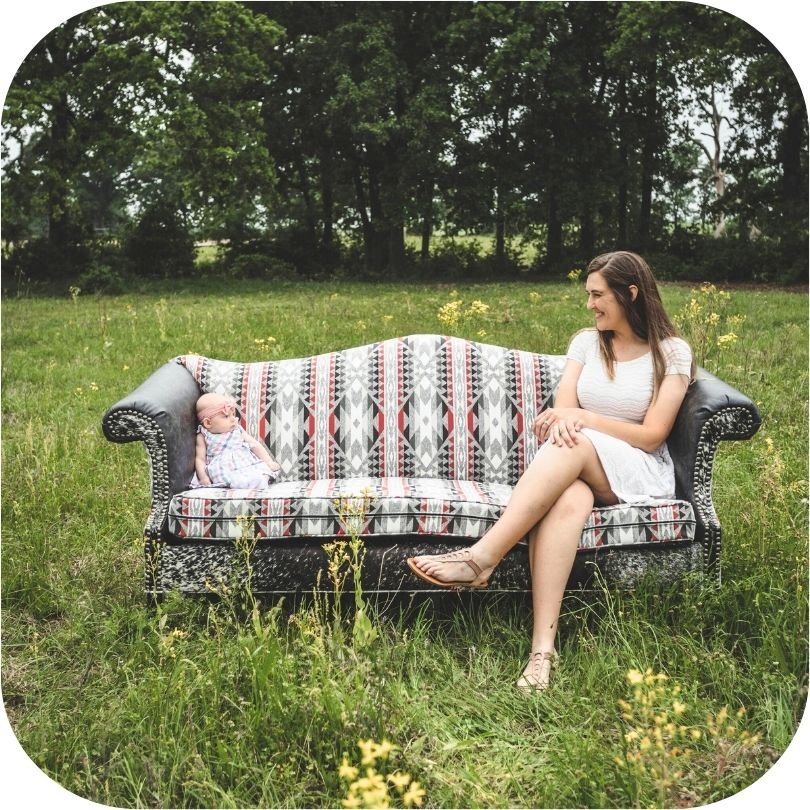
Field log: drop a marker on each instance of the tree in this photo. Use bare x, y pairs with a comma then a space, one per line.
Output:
70, 114
150, 101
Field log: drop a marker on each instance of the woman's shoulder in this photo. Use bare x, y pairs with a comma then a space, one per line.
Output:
675, 345
677, 355
583, 342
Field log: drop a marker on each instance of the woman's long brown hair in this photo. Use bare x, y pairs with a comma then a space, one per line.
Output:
646, 315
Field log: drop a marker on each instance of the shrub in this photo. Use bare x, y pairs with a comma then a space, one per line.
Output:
257, 265
39, 260
452, 260
698, 257
285, 254
159, 245
102, 278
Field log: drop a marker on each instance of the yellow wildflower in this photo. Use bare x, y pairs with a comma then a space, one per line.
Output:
347, 771
399, 780
634, 677
368, 748
414, 795
371, 781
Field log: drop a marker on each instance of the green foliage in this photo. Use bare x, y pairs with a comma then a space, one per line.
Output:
573, 125
257, 265
696, 257
102, 278
160, 245
39, 260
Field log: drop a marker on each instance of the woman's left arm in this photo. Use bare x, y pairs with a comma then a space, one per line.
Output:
647, 436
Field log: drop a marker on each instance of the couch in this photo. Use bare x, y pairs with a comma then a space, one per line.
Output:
435, 431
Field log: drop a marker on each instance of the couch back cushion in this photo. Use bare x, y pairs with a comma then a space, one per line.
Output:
423, 406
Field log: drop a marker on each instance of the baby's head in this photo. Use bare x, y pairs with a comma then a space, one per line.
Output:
216, 413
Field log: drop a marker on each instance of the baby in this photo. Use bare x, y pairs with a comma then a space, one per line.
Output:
227, 455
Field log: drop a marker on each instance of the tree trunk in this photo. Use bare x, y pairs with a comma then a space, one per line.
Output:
500, 226
794, 176
624, 169
500, 193
554, 241
715, 158
327, 201
426, 210
309, 207
365, 220
396, 250
379, 255
587, 236
648, 155
58, 216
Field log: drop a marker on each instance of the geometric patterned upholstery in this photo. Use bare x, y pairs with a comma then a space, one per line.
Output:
402, 506
425, 406
436, 428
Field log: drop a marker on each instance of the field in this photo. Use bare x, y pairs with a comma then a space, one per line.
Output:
665, 696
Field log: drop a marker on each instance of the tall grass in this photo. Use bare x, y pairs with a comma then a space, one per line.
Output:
230, 704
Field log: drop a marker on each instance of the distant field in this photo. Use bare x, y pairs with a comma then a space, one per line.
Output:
191, 706
207, 251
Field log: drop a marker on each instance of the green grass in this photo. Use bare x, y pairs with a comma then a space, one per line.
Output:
191, 705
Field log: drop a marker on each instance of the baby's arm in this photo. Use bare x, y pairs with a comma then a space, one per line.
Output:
258, 449
199, 461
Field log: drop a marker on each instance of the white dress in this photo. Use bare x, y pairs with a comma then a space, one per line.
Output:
634, 475
229, 461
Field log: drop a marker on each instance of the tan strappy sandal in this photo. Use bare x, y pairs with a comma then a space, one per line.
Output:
537, 676
465, 556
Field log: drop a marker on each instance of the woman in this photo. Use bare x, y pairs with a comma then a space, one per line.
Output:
603, 442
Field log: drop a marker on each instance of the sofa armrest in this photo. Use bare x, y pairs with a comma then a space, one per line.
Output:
161, 414
712, 412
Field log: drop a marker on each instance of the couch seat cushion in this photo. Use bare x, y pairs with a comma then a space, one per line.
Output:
400, 506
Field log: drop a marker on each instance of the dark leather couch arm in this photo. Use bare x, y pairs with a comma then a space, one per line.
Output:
712, 412
161, 414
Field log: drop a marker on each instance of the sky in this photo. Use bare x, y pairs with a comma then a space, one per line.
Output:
25, 24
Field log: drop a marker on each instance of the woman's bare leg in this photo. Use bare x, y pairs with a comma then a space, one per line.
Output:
553, 470
553, 545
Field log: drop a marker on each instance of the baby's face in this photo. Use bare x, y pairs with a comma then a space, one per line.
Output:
218, 414
223, 422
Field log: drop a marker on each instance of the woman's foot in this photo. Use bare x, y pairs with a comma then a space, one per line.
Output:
537, 675
457, 569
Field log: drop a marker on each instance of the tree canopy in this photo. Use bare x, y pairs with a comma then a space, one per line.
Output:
331, 126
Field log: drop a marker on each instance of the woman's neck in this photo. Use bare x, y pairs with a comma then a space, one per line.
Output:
627, 345
627, 339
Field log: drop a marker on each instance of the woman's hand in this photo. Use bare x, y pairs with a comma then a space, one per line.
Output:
559, 425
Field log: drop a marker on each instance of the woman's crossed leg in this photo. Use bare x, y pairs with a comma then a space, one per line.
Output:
554, 470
